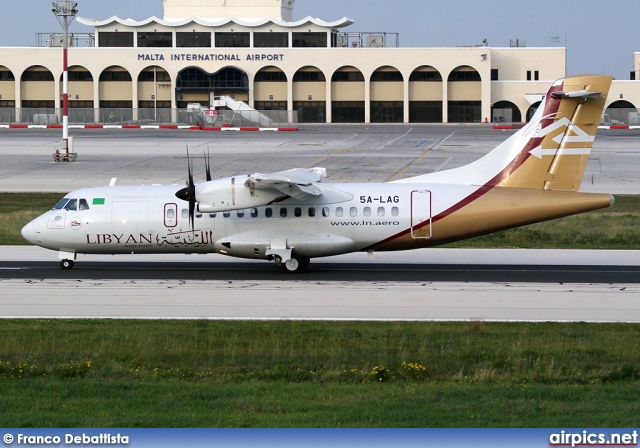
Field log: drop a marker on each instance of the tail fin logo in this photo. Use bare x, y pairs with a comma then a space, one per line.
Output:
579, 136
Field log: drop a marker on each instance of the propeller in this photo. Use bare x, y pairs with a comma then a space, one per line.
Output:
189, 193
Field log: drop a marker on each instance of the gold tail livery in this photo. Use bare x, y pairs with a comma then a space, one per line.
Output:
293, 216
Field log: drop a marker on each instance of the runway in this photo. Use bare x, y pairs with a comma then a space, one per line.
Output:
433, 284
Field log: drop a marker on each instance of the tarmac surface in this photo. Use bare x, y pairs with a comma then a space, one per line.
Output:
437, 284
352, 153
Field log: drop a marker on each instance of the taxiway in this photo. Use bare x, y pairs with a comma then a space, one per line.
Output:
438, 284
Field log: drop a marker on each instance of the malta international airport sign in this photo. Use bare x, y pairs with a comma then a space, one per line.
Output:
195, 57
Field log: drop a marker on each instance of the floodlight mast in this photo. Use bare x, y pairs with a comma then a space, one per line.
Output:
65, 11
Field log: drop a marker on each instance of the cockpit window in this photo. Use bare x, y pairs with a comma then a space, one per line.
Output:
72, 205
83, 205
60, 205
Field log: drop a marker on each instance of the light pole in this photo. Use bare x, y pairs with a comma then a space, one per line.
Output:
65, 11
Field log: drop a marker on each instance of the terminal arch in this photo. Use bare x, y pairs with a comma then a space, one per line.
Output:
115, 73
7, 95
270, 89
425, 95
465, 95
516, 116
6, 74
621, 112
116, 95
38, 89
532, 110
154, 88
387, 95
80, 87
348, 95
195, 85
310, 95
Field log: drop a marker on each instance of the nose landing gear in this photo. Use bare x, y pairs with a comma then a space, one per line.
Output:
66, 264
66, 259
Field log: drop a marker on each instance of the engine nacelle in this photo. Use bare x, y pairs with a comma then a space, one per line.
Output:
256, 244
231, 193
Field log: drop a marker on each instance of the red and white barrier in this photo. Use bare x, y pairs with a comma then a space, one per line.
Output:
138, 126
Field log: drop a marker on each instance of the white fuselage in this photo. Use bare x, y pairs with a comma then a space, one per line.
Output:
150, 219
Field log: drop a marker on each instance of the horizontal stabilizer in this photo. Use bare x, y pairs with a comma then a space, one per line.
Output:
579, 94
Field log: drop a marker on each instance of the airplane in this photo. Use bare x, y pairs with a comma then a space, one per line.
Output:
290, 217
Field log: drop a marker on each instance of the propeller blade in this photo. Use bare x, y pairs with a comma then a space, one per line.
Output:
189, 192
192, 211
207, 163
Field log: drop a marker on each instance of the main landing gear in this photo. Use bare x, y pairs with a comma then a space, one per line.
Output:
284, 256
294, 265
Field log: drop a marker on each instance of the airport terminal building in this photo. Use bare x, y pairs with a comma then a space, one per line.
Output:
253, 51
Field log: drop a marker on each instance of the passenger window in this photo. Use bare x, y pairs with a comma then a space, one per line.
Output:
367, 211
353, 212
395, 211
226, 214
213, 215
240, 213
171, 213
185, 213
380, 211
312, 212
72, 205
254, 212
297, 212
283, 212
60, 205
198, 215
339, 212
325, 211
268, 212
83, 205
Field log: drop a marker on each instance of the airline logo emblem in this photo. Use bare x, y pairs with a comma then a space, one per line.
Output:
579, 136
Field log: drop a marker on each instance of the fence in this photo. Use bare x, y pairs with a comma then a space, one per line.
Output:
503, 117
150, 117
622, 117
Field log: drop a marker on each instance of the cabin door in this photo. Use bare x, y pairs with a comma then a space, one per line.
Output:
421, 214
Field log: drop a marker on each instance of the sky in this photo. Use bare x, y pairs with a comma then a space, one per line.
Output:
598, 34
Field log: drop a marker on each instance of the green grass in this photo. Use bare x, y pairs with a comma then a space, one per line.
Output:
326, 374
78, 373
616, 227
17, 209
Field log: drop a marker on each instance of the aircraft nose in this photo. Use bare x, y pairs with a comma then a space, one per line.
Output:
30, 233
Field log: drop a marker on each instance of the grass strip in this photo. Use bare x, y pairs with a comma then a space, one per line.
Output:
616, 227
111, 373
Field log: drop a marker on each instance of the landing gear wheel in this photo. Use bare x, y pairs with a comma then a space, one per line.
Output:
66, 264
296, 264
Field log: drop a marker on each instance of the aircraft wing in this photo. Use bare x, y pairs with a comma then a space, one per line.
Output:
297, 183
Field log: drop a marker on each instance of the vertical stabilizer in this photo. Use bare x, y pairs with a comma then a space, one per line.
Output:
559, 145
548, 153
